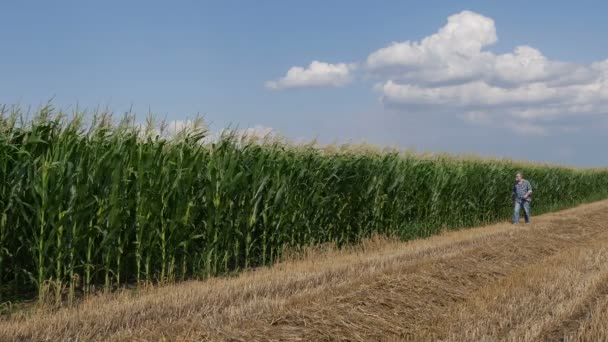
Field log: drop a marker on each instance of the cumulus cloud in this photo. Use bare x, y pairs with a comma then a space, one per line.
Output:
443, 56
472, 94
455, 54
317, 74
453, 70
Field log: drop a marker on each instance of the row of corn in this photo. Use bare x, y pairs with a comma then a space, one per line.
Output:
105, 205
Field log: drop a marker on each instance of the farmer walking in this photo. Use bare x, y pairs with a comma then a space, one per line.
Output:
522, 191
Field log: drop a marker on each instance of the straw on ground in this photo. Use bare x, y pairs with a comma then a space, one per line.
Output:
500, 282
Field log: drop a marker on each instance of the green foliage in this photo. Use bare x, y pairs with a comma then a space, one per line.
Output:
108, 204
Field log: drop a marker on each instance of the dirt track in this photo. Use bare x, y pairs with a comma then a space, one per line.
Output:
547, 281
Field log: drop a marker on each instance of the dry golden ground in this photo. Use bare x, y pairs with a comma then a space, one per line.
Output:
544, 282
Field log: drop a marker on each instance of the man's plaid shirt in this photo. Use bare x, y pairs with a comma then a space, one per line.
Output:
520, 190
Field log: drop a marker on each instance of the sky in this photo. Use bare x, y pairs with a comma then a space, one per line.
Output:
518, 79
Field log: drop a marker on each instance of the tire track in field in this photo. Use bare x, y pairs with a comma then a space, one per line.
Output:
595, 327
567, 328
531, 303
407, 303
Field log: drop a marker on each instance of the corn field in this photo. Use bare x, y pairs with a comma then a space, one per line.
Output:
103, 205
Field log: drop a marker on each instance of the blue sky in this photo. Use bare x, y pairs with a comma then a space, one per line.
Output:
467, 90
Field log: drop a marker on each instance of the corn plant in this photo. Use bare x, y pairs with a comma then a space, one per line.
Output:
101, 205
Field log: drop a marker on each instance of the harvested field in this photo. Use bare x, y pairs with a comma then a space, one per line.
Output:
544, 282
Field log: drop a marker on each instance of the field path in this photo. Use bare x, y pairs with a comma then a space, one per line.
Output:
544, 282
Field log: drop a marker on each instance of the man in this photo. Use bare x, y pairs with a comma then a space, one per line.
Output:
522, 191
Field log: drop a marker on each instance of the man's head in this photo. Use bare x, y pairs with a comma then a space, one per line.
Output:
519, 176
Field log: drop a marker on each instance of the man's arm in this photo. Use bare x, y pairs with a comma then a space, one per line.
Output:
529, 190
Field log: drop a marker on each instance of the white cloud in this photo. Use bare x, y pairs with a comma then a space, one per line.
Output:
318, 74
472, 94
455, 55
442, 56
519, 127
451, 70
454, 71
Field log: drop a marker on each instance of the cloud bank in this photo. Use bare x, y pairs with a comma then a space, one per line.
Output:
452, 70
